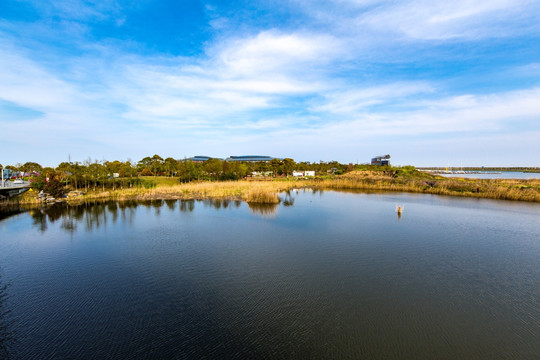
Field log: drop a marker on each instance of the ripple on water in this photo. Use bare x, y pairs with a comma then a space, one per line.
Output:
334, 275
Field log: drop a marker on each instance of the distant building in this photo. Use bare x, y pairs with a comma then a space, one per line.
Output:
250, 158
7, 173
262, 173
381, 160
246, 158
201, 158
303, 173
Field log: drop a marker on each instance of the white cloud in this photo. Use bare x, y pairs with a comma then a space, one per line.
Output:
465, 19
256, 73
25, 83
354, 100
379, 22
77, 9
512, 111
270, 52
300, 86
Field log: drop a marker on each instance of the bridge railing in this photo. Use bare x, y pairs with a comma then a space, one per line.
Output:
12, 184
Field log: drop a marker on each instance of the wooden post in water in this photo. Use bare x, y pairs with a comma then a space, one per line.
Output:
399, 210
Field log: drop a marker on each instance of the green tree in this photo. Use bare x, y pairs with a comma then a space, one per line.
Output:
97, 174
127, 170
157, 164
48, 172
240, 169
38, 183
189, 171
288, 166
277, 166
113, 166
154, 163
213, 167
144, 163
171, 166
12, 168
29, 167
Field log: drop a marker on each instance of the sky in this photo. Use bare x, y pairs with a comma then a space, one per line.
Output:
430, 82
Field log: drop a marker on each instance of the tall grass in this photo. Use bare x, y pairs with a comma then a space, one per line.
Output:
265, 192
262, 196
250, 191
522, 190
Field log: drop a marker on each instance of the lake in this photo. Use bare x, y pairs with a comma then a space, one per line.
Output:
323, 275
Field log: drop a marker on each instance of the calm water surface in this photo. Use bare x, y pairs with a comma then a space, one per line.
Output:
321, 276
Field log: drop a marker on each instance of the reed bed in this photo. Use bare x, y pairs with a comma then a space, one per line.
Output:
250, 191
262, 196
266, 192
521, 190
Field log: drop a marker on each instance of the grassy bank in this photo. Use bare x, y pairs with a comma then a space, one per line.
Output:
249, 191
265, 192
502, 189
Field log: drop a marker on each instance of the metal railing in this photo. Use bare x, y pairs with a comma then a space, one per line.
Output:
13, 184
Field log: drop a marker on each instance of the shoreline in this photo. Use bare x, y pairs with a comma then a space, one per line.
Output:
266, 192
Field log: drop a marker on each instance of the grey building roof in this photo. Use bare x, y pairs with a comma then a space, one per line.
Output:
250, 158
202, 158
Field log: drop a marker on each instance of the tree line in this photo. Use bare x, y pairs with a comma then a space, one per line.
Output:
120, 174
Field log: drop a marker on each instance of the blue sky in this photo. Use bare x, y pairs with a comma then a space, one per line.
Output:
431, 82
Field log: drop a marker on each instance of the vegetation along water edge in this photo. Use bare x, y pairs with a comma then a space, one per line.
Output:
260, 184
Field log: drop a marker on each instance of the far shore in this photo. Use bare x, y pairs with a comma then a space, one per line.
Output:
267, 191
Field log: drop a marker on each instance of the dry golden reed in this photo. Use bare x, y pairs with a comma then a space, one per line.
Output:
262, 196
265, 192
522, 190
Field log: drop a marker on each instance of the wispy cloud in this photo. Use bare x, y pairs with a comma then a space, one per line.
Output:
353, 101
431, 19
77, 9
344, 76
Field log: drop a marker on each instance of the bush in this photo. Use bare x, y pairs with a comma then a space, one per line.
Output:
146, 172
38, 183
54, 188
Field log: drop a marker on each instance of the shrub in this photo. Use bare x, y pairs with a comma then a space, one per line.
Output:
146, 172
54, 188
38, 183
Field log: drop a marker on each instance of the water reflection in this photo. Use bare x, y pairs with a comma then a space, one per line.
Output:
6, 336
314, 191
263, 210
335, 277
289, 198
39, 220
171, 204
187, 205
93, 215
221, 203
6, 212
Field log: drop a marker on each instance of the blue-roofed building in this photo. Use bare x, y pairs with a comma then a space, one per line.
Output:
201, 158
251, 158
